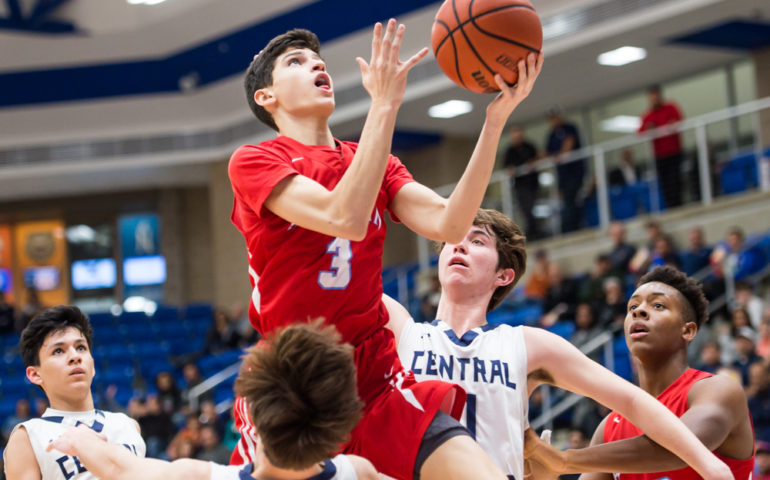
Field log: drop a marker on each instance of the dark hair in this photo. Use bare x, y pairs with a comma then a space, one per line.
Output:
260, 71
511, 249
736, 231
49, 321
654, 89
300, 386
688, 287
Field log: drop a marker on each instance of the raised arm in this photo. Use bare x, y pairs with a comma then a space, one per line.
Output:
565, 366
448, 219
116, 462
345, 210
398, 316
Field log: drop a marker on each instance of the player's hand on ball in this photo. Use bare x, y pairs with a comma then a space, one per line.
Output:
384, 77
511, 96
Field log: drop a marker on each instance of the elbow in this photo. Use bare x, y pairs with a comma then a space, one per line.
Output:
352, 229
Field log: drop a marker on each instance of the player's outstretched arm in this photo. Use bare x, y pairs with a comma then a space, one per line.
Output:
116, 462
448, 219
345, 210
364, 468
566, 367
398, 316
20, 461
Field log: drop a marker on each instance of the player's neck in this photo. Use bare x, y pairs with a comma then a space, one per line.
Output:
307, 130
64, 404
659, 371
266, 471
462, 312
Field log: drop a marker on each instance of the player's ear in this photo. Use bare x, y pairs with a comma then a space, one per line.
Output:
34, 376
689, 331
264, 98
504, 277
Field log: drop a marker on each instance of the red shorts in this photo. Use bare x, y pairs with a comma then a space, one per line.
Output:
396, 414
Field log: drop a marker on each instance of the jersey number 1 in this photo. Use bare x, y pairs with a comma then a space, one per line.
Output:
338, 276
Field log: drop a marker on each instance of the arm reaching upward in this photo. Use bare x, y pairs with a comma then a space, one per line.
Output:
448, 219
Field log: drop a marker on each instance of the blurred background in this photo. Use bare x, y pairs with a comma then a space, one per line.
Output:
118, 117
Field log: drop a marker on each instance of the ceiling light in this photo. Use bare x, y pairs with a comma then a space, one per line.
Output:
622, 56
621, 124
145, 2
450, 109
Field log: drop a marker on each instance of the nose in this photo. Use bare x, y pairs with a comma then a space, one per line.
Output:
319, 65
640, 312
459, 247
75, 356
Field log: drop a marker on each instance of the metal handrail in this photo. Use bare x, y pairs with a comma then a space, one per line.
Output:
209, 384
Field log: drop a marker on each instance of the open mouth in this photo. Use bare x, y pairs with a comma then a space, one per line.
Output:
323, 82
638, 330
457, 261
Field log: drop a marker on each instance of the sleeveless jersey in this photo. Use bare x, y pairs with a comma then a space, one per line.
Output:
54, 465
490, 363
338, 468
675, 399
297, 273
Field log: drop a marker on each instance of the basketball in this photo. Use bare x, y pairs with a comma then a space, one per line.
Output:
475, 39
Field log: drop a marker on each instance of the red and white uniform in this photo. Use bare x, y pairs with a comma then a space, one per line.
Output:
675, 399
299, 274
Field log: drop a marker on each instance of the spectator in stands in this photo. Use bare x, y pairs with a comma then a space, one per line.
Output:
762, 460
746, 299
696, 257
210, 417
561, 299
186, 442
759, 400
519, 162
745, 349
592, 289
611, 311
211, 448
30, 309
22, 413
710, 357
157, 427
247, 334
735, 258
222, 335
429, 291
538, 283
668, 148
562, 139
664, 253
626, 173
169, 395
586, 328
7, 316
763, 340
622, 252
192, 377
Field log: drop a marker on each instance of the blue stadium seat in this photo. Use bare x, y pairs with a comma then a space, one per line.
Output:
15, 385
564, 329
101, 320
623, 203
140, 333
199, 310
739, 174
165, 313
7, 407
591, 211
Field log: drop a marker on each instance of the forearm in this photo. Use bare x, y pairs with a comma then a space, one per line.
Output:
354, 197
116, 462
633, 455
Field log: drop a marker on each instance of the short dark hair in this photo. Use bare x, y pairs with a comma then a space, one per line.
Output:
300, 386
688, 287
260, 71
49, 321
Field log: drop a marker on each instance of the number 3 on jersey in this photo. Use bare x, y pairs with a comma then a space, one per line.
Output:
338, 276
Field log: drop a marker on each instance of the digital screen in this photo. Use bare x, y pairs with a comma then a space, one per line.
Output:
95, 273
5, 280
150, 270
42, 278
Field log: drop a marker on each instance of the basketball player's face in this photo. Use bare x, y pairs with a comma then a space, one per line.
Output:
66, 366
472, 263
301, 85
655, 319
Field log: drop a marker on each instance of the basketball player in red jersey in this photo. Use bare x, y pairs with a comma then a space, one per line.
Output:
311, 209
664, 315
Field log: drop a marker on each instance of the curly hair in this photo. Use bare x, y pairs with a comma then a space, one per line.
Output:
511, 249
688, 287
49, 321
300, 386
260, 71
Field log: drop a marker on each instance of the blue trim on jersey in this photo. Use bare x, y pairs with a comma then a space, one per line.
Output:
100, 413
468, 337
489, 327
245, 472
329, 471
53, 419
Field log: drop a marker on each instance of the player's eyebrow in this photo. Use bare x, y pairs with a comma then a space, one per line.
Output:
653, 294
480, 231
298, 51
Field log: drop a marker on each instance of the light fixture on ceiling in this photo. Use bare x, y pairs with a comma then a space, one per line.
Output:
622, 56
145, 2
450, 109
621, 124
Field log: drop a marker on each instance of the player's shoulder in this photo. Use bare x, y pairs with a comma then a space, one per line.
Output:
271, 146
721, 388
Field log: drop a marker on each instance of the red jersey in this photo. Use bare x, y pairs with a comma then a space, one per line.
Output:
675, 398
297, 273
657, 117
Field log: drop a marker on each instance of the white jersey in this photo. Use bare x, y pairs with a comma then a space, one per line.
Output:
54, 465
338, 468
490, 363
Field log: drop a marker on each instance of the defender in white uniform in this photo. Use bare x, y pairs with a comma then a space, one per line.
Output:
301, 388
56, 348
501, 366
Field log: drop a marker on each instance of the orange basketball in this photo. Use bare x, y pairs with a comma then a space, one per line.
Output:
475, 39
